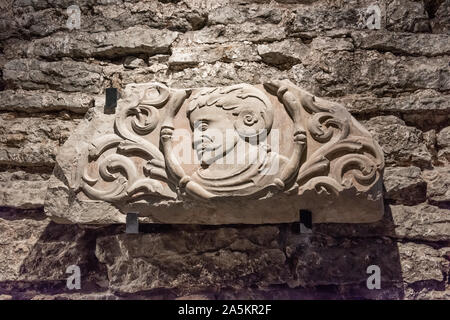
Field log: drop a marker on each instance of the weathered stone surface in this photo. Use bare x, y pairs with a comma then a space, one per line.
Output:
223, 74
301, 262
20, 189
326, 74
344, 72
18, 236
443, 143
404, 185
438, 185
76, 296
44, 101
407, 15
441, 21
329, 18
41, 19
184, 75
246, 152
191, 260
191, 56
330, 44
70, 76
320, 260
341, 291
246, 31
35, 254
422, 222
245, 255
421, 263
420, 44
283, 54
432, 289
240, 14
429, 138
251, 256
118, 15
430, 292
133, 62
424, 109
62, 246
402, 145
32, 141
399, 70
428, 102
25, 21
134, 40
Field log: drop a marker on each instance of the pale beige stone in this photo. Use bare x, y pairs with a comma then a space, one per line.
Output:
438, 184
252, 154
420, 262
404, 185
19, 235
402, 145
32, 141
23, 190
133, 40
69, 76
404, 43
421, 222
443, 142
44, 101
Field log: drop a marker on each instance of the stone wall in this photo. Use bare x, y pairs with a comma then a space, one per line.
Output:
395, 80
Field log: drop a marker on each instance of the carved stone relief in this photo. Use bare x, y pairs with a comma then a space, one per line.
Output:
237, 154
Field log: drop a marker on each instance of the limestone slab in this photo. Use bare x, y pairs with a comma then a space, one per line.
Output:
252, 154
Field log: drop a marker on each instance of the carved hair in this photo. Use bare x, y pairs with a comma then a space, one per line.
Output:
232, 99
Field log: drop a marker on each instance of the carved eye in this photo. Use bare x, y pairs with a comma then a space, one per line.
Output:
202, 126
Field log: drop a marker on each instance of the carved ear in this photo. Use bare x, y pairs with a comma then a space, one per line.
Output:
250, 124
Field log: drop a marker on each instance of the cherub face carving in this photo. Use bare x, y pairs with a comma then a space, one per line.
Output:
221, 118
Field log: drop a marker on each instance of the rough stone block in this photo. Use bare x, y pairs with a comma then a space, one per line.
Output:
438, 185
443, 143
23, 190
32, 141
421, 222
404, 185
44, 101
402, 145
134, 40
69, 76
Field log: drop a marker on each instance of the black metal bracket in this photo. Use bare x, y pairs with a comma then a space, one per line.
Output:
110, 101
132, 223
305, 222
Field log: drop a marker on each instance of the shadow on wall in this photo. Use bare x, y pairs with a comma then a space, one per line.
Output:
214, 262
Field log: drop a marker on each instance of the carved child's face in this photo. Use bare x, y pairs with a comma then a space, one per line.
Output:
214, 133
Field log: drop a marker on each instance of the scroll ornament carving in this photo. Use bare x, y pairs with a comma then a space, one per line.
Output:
126, 179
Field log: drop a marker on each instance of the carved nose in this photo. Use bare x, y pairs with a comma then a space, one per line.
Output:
204, 139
